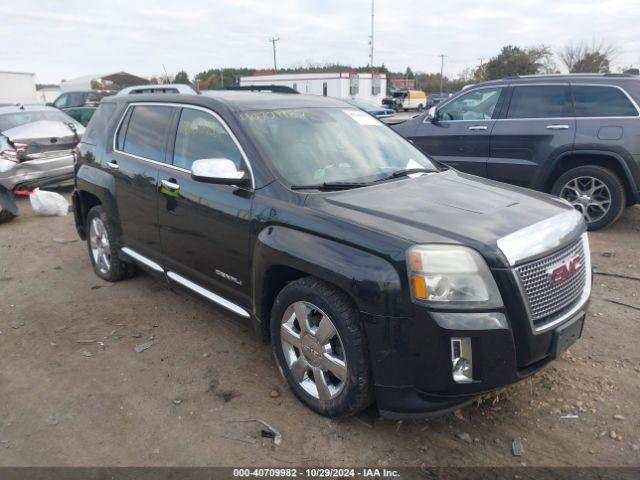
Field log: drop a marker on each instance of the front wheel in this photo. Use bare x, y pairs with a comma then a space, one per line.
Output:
320, 347
596, 192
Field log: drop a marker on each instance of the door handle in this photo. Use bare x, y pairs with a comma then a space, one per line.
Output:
557, 127
113, 165
170, 185
478, 127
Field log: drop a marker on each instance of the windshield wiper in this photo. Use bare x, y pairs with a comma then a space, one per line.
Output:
327, 186
408, 171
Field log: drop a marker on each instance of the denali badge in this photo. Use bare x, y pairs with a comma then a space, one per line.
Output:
226, 276
562, 272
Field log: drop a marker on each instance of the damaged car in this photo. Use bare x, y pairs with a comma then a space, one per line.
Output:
36, 150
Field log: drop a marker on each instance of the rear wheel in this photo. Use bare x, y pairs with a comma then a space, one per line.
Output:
596, 192
321, 349
103, 253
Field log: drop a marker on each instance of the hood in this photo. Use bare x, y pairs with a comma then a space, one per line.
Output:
46, 135
447, 207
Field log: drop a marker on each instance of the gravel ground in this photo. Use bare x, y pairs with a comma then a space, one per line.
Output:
74, 392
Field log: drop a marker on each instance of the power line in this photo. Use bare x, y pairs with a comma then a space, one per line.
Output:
273, 40
442, 55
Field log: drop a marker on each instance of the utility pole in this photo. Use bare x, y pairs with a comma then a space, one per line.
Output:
273, 40
442, 55
371, 38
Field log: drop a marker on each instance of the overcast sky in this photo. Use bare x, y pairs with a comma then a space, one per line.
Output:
64, 39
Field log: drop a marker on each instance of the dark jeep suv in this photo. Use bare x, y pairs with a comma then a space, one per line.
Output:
376, 273
576, 136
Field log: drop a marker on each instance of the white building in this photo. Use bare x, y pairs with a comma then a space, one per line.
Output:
18, 87
369, 86
101, 80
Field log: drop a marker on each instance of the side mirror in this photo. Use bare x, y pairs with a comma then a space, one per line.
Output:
218, 170
432, 115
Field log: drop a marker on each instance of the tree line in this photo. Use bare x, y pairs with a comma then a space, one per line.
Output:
512, 60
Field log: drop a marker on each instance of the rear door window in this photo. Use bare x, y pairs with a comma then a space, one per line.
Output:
200, 135
595, 101
146, 132
540, 101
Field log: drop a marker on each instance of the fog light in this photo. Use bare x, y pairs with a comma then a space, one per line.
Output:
461, 360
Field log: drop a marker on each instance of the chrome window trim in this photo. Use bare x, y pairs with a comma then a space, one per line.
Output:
573, 310
546, 84
542, 237
180, 105
629, 97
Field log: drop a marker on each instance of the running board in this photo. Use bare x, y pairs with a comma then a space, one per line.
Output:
208, 294
187, 283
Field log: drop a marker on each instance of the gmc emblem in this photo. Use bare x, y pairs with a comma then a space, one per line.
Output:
560, 273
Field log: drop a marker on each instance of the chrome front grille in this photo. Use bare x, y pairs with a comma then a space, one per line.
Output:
544, 299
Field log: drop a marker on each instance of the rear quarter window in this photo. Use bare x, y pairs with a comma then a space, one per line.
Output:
99, 124
595, 101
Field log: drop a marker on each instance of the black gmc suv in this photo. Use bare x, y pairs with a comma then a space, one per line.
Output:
576, 136
376, 273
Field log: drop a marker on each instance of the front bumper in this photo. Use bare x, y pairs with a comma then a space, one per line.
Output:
412, 369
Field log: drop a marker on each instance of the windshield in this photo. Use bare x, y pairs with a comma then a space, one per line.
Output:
312, 146
11, 120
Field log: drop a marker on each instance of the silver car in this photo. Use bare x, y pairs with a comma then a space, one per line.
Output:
36, 150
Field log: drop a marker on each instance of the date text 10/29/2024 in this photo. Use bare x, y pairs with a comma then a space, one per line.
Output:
315, 472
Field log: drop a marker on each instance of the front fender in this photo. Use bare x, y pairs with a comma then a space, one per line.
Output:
371, 281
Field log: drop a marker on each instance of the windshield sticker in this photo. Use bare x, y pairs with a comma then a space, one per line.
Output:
272, 114
362, 118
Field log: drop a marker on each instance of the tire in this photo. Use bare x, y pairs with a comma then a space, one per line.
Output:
8, 207
6, 215
420, 107
318, 362
101, 241
587, 187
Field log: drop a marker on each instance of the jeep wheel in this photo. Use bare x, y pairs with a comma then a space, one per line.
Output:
321, 349
594, 191
105, 258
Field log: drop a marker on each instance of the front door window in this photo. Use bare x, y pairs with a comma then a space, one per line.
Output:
478, 104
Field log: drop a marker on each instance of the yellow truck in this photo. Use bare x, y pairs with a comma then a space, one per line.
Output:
403, 100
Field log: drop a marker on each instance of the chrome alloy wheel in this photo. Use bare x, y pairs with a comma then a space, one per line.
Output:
589, 196
313, 350
100, 248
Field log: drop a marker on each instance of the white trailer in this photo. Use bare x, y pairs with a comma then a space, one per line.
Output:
367, 86
18, 87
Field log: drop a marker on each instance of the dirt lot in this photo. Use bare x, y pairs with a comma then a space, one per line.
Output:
63, 402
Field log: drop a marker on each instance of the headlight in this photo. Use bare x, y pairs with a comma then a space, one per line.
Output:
451, 276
